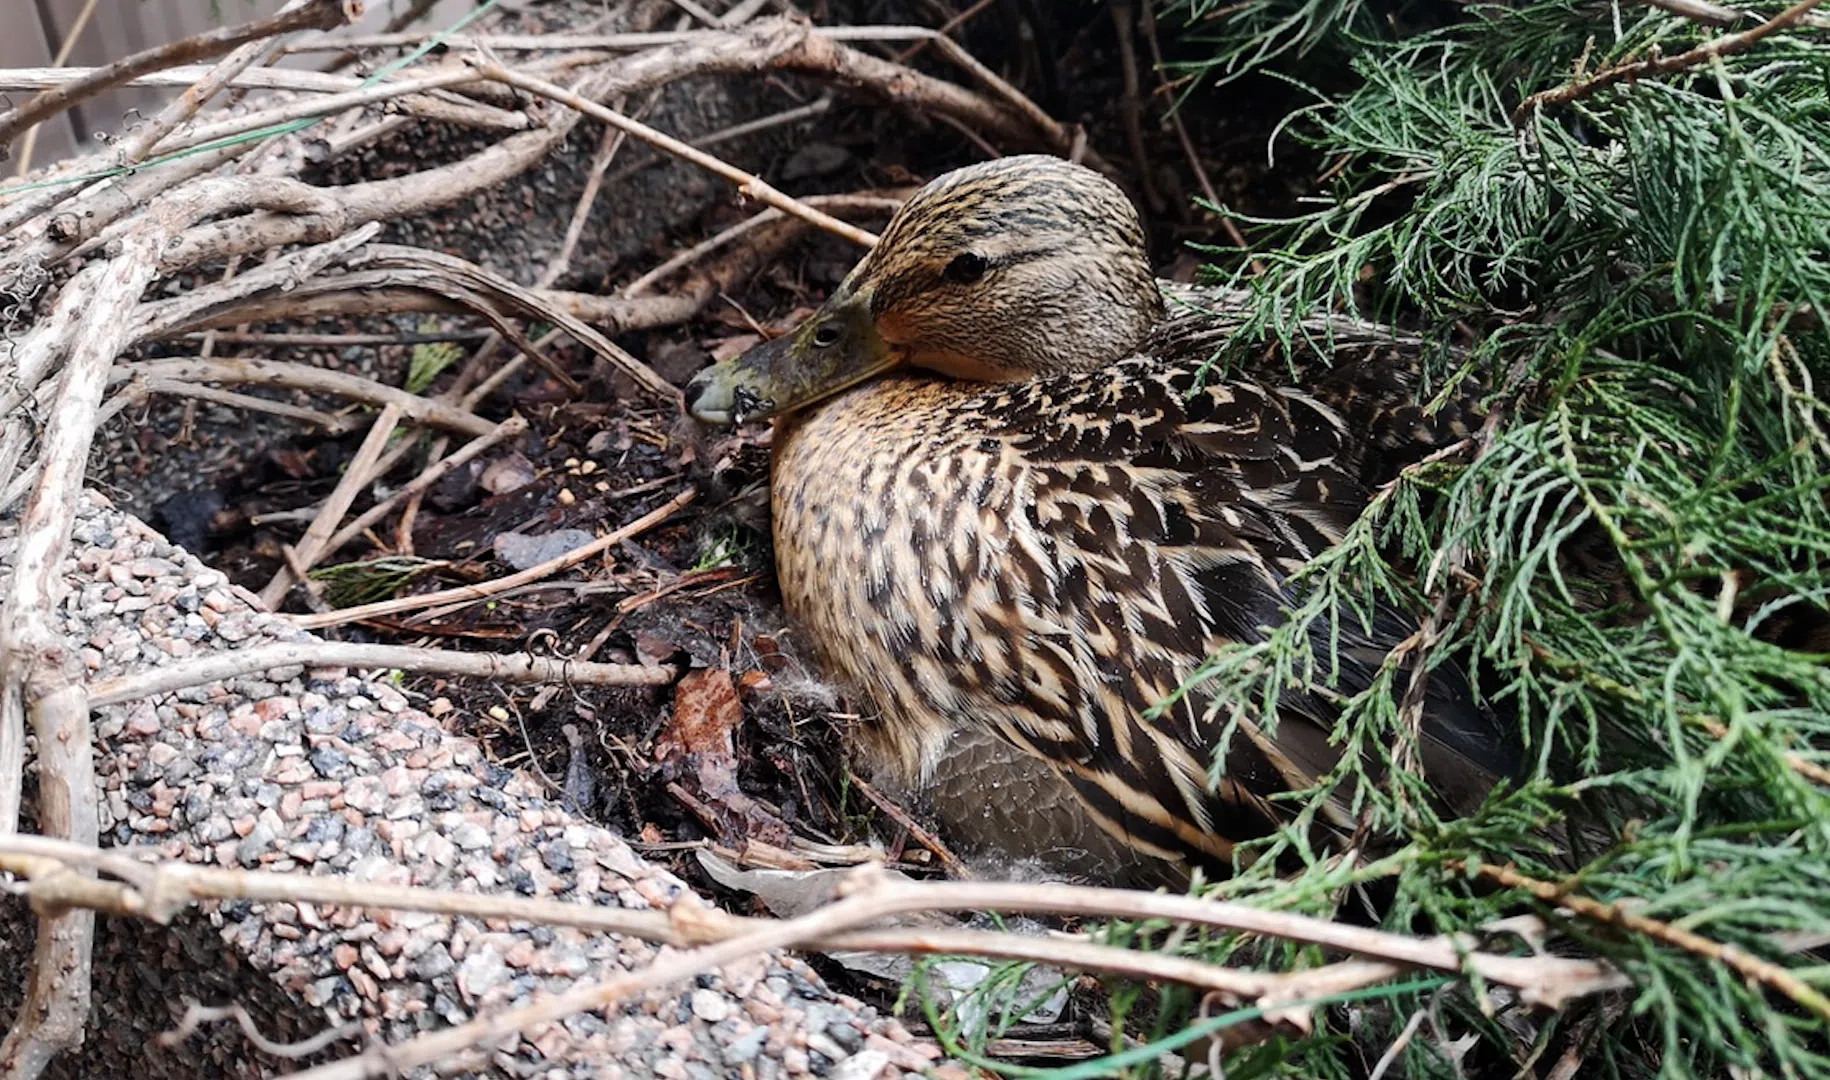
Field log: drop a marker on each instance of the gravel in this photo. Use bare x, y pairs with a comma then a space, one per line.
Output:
325, 772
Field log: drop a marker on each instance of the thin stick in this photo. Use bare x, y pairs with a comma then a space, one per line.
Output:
1745, 964
313, 15
484, 590
14, 80
748, 184
1188, 144
691, 7
304, 377
286, 339
765, 45
948, 861
158, 890
868, 896
1058, 136
469, 279
195, 1016
946, 28
1662, 65
381, 292
625, 42
1795, 761
1716, 15
431, 475
682, 259
330, 515
581, 211
1131, 105
37, 666
138, 142
140, 389
500, 667
741, 13
471, 113
817, 107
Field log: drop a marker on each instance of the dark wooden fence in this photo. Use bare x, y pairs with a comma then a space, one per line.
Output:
32, 32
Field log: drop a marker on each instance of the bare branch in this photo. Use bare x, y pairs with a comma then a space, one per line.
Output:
869, 897
195, 1016
303, 377
1747, 965
749, 184
432, 474
140, 389
1716, 15
500, 667
380, 292
313, 15
159, 890
357, 204
625, 42
463, 280
342, 497
487, 589
134, 148
1662, 65
37, 667
412, 96
863, 204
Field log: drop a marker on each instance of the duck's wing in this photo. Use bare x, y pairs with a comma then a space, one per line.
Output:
1370, 374
1155, 517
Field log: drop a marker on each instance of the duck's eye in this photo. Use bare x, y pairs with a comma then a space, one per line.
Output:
825, 335
966, 269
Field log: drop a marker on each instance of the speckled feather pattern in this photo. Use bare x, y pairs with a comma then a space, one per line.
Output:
1052, 559
1035, 513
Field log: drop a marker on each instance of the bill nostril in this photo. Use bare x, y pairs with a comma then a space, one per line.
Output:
708, 396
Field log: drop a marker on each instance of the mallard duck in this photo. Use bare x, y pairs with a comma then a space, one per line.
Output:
1009, 498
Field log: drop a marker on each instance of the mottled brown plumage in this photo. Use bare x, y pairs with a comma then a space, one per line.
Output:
1008, 499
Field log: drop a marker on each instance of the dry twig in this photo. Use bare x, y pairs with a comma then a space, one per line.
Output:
1716, 15
870, 897
159, 890
1745, 964
948, 861
1727, 45
312, 15
303, 377
499, 667
749, 184
432, 474
38, 670
138, 143
195, 1016
860, 204
487, 589
356, 476
138, 390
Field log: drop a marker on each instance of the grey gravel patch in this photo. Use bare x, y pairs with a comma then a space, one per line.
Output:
324, 772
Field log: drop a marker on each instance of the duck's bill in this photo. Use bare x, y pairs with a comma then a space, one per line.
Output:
838, 347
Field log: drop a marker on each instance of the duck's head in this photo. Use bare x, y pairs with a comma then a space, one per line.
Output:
1000, 272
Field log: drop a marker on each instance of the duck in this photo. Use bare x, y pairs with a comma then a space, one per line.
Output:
1016, 507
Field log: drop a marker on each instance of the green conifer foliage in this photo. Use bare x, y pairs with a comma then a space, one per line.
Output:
1618, 217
